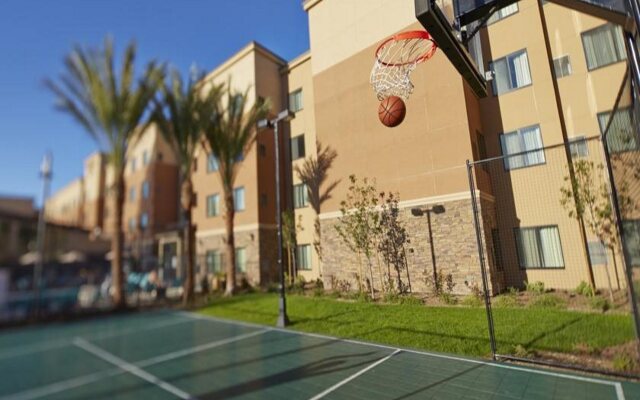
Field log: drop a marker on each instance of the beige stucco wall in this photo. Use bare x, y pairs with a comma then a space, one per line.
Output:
66, 205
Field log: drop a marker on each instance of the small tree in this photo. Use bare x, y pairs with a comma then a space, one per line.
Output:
359, 225
587, 197
289, 233
393, 238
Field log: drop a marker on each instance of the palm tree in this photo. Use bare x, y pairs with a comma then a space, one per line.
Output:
178, 117
230, 131
112, 106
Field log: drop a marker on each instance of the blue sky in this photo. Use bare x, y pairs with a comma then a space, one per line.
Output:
35, 35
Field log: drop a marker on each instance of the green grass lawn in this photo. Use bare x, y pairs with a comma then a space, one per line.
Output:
457, 330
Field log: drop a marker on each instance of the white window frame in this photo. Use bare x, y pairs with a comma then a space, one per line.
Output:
304, 257
503, 13
618, 47
237, 204
213, 205
511, 84
296, 143
541, 256
295, 100
241, 267
528, 156
296, 196
558, 66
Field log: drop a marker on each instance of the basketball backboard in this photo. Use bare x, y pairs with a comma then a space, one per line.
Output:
454, 24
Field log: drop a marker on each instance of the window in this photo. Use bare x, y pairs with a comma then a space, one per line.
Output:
239, 157
503, 13
562, 66
578, 147
238, 199
621, 136
132, 165
297, 147
213, 205
145, 157
510, 72
132, 194
303, 254
603, 45
631, 231
145, 189
144, 221
539, 247
132, 224
295, 100
300, 196
241, 260
526, 141
597, 253
214, 261
497, 252
212, 163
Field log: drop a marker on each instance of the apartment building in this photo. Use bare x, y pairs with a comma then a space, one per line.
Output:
527, 235
258, 70
151, 198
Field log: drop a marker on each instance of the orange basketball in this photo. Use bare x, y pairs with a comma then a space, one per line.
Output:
392, 111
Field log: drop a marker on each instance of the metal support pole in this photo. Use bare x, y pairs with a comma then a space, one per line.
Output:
283, 319
483, 270
432, 247
634, 63
45, 173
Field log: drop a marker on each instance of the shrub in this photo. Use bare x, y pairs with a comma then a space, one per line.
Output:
298, 285
521, 351
471, 301
585, 289
448, 298
513, 291
534, 287
411, 300
624, 363
547, 301
599, 303
391, 297
318, 288
441, 284
506, 301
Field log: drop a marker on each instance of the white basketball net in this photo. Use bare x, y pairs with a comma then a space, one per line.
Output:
395, 60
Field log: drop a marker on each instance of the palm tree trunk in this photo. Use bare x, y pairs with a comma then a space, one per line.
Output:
188, 243
188, 239
117, 273
231, 248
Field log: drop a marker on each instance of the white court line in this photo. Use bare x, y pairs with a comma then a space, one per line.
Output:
61, 386
130, 368
86, 379
617, 385
56, 344
354, 376
197, 349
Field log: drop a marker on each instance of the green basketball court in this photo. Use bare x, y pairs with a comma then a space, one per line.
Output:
183, 355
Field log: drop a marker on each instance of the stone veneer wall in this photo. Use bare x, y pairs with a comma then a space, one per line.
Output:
455, 249
250, 240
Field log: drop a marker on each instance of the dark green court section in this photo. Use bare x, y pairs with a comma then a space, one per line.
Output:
168, 355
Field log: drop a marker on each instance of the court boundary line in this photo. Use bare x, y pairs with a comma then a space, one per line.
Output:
79, 381
619, 390
130, 368
353, 376
60, 343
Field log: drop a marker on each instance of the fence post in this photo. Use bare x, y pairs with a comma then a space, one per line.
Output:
625, 254
481, 257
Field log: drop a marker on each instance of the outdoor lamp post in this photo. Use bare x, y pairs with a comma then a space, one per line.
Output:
284, 115
45, 174
418, 212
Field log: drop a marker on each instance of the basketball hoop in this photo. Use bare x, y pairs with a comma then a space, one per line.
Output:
396, 58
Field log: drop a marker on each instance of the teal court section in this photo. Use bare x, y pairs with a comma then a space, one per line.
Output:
181, 355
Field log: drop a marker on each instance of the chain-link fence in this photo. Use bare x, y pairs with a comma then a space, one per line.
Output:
550, 244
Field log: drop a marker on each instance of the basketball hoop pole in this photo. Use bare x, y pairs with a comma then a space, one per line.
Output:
285, 115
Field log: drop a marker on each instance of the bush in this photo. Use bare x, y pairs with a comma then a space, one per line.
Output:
411, 300
624, 363
521, 351
547, 301
505, 301
534, 287
298, 285
472, 301
599, 303
585, 289
391, 297
318, 288
448, 298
